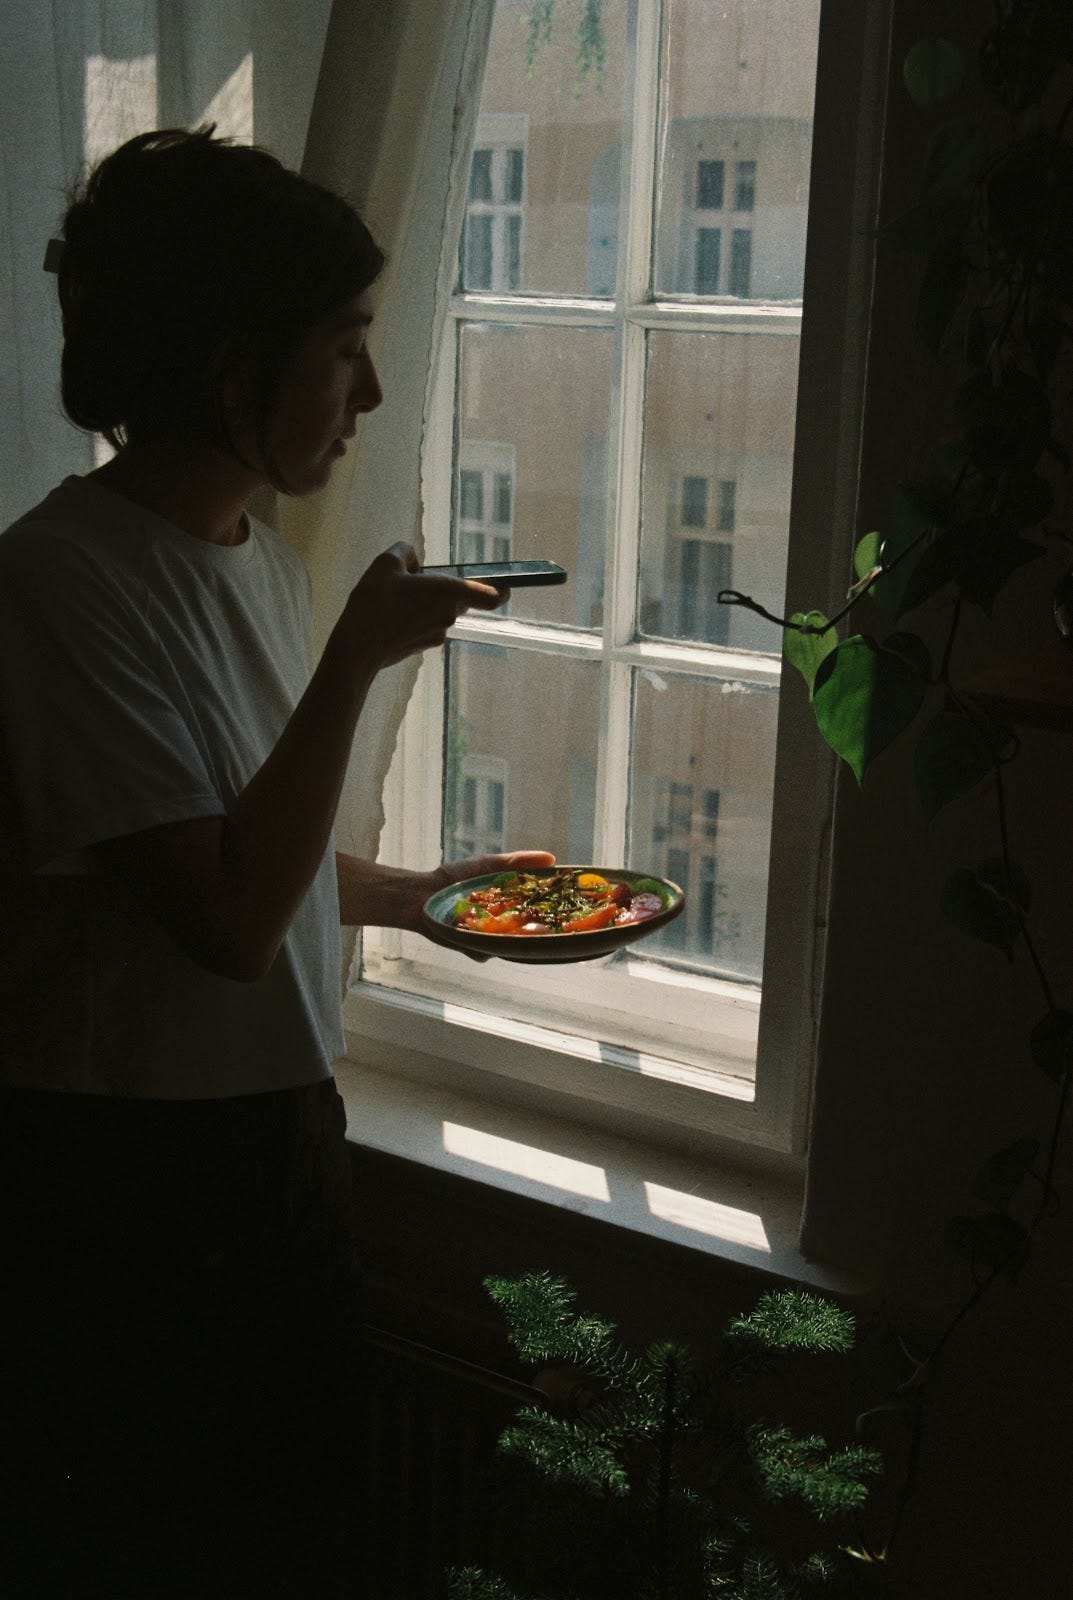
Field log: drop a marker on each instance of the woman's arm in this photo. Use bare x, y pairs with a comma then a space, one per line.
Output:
226, 888
375, 896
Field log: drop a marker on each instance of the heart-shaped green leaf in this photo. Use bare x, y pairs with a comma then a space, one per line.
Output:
978, 906
994, 1240
933, 71
1052, 1043
1008, 883
866, 555
952, 757
864, 696
1002, 1173
806, 651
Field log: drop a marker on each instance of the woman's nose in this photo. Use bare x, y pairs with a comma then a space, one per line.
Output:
367, 393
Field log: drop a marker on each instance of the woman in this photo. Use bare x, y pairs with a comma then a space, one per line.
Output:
184, 1365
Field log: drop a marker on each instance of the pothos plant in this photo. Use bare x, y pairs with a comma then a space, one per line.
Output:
992, 231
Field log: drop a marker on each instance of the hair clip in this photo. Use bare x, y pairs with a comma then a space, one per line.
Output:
53, 255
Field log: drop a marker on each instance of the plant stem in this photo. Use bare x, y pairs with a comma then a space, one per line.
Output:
663, 1489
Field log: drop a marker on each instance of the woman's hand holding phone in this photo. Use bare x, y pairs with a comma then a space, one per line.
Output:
400, 610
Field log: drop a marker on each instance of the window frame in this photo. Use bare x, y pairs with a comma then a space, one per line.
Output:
606, 1080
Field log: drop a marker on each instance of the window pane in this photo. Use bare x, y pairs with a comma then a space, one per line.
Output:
480, 175
501, 501
536, 718
709, 250
514, 253
572, 144
547, 393
741, 255
710, 831
694, 502
477, 273
745, 189
727, 500
710, 185
740, 76
719, 405
513, 172
471, 495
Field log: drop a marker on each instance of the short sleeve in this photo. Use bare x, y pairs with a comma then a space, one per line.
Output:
95, 747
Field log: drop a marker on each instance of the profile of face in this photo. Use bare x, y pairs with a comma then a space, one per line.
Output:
326, 385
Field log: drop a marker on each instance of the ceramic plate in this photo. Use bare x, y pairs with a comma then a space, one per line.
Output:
438, 915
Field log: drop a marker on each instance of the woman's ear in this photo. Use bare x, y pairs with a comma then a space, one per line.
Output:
229, 379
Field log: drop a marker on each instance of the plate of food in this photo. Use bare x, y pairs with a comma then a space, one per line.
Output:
551, 914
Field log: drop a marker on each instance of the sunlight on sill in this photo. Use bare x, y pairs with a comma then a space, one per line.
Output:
710, 1217
526, 1161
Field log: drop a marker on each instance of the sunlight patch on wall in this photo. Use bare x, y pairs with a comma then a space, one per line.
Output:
231, 107
120, 100
526, 1161
711, 1217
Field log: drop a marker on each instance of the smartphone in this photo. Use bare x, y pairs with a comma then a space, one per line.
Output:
518, 574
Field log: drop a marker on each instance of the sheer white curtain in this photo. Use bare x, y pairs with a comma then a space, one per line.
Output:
376, 98
78, 79
392, 127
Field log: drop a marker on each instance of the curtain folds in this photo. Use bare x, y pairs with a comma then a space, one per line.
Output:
392, 128
78, 80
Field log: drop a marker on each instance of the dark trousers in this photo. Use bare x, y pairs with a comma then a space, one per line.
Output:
181, 1360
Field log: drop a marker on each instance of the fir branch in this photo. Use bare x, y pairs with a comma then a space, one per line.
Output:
795, 1320
830, 1482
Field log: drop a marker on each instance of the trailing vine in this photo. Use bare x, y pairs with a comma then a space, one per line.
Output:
590, 51
992, 231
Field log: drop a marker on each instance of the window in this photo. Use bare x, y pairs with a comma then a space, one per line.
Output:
651, 435
475, 800
711, 221
485, 516
491, 248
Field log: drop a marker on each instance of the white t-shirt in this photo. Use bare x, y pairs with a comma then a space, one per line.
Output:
145, 675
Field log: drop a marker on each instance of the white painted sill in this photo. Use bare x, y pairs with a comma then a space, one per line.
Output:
750, 1219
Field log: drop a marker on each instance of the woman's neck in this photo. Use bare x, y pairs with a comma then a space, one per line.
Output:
197, 488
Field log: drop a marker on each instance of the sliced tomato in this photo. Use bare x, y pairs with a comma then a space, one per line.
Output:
506, 922
592, 920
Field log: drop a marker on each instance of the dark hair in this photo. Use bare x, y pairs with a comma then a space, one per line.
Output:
183, 250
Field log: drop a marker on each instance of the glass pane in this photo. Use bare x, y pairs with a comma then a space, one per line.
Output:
557, 128
478, 255
480, 175
720, 408
514, 171
543, 394
736, 143
542, 794
700, 813
709, 251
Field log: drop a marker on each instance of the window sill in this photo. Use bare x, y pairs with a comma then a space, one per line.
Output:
750, 1219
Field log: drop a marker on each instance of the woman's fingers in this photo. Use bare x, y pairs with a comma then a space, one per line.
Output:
404, 611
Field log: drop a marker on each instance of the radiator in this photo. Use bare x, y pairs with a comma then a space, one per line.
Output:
432, 1424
